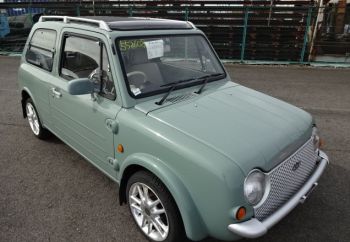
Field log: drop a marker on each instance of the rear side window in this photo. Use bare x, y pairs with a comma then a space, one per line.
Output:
42, 48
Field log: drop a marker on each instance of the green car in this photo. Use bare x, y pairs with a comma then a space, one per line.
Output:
148, 102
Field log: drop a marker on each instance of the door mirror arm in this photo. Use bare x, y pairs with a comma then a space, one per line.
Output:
95, 78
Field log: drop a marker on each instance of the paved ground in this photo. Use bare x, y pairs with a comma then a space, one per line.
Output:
49, 193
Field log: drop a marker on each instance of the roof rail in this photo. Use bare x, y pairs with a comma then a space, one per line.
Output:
65, 19
193, 26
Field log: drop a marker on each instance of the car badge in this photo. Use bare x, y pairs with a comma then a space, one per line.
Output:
296, 165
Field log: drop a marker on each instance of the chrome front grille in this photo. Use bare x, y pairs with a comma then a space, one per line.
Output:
287, 178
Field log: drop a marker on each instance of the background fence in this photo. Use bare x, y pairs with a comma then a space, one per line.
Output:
257, 30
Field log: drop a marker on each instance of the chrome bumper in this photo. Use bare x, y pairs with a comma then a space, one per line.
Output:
254, 228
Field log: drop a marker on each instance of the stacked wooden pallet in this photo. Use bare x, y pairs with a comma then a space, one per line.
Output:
246, 30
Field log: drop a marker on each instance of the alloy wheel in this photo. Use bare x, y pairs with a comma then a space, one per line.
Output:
148, 211
33, 118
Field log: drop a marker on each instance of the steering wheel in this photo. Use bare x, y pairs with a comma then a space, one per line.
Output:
107, 86
137, 81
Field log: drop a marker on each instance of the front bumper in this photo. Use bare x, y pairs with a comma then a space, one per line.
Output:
254, 228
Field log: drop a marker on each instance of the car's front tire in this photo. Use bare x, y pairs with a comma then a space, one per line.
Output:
34, 121
154, 209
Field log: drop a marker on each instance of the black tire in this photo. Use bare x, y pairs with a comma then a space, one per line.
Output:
42, 133
176, 232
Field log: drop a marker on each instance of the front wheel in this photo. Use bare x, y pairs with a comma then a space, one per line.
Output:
153, 208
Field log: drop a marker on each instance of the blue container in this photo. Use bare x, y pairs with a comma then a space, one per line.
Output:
20, 11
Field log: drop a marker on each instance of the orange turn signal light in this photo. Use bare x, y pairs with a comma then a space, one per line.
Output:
120, 148
240, 214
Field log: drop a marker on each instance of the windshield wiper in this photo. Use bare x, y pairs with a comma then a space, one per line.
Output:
176, 83
172, 87
205, 81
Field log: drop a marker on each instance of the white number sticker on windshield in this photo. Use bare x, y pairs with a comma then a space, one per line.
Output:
155, 48
135, 90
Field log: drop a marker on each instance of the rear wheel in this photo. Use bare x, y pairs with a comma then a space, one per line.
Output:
153, 208
34, 121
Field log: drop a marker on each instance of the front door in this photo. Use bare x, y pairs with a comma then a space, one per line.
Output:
82, 121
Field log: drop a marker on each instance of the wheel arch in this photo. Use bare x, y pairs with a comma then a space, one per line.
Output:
25, 94
193, 224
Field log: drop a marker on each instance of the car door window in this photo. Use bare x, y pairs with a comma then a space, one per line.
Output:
41, 49
81, 57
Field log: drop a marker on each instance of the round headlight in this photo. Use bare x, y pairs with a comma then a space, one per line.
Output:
255, 186
315, 138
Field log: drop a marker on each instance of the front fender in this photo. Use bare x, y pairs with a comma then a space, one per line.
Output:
195, 229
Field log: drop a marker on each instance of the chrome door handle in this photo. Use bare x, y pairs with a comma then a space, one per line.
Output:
55, 93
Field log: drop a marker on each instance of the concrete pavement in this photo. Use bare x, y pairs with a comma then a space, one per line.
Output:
50, 193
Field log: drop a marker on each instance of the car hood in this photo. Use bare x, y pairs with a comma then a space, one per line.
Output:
250, 128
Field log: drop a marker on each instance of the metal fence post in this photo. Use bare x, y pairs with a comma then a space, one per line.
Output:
30, 11
244, 35
77, 10
308, 22
186, 13
130, 11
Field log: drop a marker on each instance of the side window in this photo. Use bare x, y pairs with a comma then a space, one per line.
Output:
81, 57
42, 48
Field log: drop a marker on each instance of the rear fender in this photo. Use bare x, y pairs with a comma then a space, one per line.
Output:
25, 93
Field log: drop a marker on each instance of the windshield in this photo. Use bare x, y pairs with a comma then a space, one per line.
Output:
152, 63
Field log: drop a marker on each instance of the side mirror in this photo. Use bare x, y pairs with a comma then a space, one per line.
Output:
81, 86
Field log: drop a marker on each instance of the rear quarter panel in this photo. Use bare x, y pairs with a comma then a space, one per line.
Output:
35, 81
